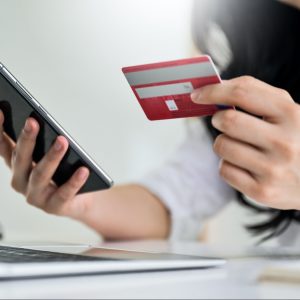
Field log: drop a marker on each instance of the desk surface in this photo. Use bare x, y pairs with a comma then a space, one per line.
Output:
237, 280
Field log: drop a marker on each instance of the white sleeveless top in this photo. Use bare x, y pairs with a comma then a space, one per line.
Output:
191, 188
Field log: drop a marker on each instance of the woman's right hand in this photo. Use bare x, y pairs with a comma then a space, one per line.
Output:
34, 181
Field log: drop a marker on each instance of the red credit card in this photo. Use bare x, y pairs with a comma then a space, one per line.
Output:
164, 89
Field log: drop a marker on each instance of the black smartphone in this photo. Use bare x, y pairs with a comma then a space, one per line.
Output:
18, 104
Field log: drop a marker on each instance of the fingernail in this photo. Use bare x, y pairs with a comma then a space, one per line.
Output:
83, 174
57, 145
216, 121
27, 127
196, 96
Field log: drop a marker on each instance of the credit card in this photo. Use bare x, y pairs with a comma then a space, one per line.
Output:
164, 89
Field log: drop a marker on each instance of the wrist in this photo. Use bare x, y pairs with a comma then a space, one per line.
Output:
82, 206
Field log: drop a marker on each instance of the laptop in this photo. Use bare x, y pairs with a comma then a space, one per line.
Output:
29, 262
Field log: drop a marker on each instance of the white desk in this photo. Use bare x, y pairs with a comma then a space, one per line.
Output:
237, 280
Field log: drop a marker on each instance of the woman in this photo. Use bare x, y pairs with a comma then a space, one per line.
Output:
259, 146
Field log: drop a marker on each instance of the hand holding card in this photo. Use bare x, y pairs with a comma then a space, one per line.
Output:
164, 89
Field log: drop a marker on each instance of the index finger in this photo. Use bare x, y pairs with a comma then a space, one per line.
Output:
247, 93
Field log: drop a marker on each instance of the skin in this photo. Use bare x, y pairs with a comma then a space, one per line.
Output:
259, 157
123, 212
295, 3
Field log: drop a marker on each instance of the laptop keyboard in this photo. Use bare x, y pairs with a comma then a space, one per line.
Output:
21, 255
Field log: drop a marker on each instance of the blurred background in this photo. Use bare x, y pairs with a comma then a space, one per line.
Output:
69, 55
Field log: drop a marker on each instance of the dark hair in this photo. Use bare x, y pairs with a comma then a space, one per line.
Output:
264, 40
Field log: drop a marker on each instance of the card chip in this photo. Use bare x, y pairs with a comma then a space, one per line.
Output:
172, 105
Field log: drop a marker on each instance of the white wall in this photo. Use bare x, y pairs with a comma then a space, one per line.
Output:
69, 53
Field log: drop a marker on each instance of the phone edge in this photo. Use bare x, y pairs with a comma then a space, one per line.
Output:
49, 118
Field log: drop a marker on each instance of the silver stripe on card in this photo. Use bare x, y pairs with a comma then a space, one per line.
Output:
165, 90
190, 71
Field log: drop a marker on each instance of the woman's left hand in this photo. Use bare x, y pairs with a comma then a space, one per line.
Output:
260, 157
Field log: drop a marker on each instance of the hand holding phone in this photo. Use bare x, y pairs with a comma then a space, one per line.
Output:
35, 145
34, 180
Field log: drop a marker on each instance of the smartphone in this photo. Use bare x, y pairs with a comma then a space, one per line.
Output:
18, 104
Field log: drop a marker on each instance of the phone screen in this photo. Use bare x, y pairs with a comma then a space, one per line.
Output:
17, 109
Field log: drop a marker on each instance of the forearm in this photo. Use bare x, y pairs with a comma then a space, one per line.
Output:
127, 212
